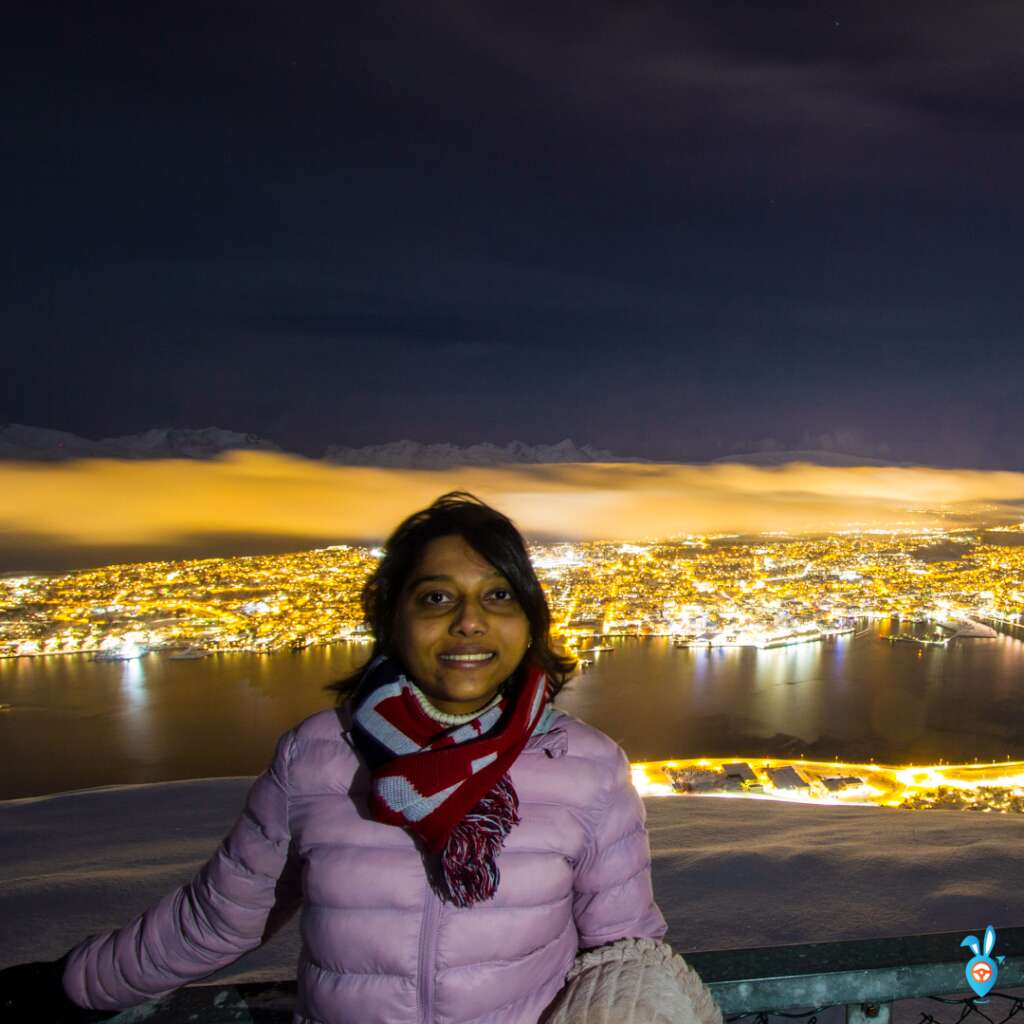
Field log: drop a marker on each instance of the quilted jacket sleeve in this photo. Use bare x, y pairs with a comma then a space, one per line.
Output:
239, 897
613, 897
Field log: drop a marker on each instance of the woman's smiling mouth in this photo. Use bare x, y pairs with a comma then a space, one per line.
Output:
468, 661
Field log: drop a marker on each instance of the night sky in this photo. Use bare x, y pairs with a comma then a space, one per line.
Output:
671, 230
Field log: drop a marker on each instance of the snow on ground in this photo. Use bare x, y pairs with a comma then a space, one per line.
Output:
740, 873
727, 872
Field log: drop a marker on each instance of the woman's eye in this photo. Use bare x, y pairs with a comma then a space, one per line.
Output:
437, 598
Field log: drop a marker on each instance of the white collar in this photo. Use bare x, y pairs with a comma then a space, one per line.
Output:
443, 717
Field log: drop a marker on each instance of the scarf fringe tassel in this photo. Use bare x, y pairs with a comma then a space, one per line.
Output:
469, 869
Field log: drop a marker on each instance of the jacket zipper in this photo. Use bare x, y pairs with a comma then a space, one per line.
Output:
428, 954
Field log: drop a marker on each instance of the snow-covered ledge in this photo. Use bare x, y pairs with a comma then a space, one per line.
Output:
727, 873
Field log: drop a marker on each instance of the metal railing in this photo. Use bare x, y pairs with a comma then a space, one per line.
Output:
863, 975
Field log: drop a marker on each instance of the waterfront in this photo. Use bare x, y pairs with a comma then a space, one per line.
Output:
75, 723
851, 699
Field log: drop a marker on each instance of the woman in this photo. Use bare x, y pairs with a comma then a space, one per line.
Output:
454, 840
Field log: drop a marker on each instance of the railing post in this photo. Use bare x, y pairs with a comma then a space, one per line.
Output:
867, 1013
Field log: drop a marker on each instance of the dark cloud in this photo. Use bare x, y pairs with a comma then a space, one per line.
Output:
659, 228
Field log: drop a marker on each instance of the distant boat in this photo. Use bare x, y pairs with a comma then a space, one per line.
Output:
592, 650
126, 653
831, 632
789, 639
187, 653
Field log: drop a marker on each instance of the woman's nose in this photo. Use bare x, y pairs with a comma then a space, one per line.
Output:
470, 619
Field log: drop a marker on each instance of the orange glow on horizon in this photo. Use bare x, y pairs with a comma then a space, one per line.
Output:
103, 502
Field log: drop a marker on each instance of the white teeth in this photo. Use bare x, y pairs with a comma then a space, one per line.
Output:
466, 657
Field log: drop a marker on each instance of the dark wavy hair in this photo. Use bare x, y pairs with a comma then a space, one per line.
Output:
494, 537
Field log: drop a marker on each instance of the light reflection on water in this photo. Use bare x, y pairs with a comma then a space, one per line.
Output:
78, 723
853, 697
140, 738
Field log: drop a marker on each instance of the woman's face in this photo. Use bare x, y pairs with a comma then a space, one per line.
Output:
460, 632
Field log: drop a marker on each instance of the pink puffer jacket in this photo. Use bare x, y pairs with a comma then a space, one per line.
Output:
378, 945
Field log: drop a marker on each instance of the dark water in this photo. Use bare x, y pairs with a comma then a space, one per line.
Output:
76, 723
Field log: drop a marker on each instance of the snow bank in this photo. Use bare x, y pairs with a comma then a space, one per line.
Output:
741, 873
727, 872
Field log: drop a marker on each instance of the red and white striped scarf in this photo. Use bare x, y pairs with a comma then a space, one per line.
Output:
449, 786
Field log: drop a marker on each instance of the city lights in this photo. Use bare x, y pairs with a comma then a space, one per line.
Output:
761, 592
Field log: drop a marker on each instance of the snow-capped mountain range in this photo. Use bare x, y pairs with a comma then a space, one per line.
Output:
814, 456
24, 443
21, 442
18, 441
414, 455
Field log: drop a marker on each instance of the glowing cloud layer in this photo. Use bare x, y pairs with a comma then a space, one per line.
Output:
108, 503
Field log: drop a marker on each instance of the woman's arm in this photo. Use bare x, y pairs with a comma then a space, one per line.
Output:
613, 898
225, 911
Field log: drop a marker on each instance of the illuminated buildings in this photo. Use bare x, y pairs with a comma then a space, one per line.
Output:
986, 788
762, 592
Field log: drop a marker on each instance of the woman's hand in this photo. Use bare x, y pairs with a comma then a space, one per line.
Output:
33, 994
